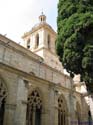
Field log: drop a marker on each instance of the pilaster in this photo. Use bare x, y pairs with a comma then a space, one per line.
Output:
21, 106
9, 114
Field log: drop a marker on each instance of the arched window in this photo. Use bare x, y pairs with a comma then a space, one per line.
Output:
37, 40
48, 41
28, 43
62, 111
3, 94
34, 109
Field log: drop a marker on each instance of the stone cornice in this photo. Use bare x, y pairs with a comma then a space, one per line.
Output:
39, 26
15, 46
30, 77
25, 52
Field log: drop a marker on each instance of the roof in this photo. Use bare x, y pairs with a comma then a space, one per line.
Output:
38, 26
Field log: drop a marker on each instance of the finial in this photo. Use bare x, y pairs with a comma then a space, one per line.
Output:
42, 11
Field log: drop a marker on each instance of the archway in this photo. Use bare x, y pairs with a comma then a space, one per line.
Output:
3, 95
62, 111
34, 108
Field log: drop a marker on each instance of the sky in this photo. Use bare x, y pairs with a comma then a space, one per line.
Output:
19, 16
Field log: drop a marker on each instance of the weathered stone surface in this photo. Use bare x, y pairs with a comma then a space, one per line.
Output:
22, 72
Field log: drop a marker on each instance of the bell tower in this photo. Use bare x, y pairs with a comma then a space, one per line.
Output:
41, 40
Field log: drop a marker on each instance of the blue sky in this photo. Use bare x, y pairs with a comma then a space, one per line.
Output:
19, 16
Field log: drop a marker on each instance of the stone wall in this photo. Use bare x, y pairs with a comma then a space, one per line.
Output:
15, 55
23, 72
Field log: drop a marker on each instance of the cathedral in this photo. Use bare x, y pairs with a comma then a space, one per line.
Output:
34, 90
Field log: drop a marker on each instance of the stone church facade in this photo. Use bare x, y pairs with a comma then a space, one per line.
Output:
33, 87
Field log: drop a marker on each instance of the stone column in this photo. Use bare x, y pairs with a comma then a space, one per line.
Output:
21, 106
83, 112
56, 107
51, 106
71, 115
45, 117
9, 114
56, 116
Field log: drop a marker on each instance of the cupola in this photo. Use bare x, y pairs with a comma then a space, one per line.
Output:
42, 18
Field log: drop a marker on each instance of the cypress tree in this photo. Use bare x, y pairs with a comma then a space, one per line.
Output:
74, 43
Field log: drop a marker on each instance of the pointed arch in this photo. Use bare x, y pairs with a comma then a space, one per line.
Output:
62, 111
39, 91
34, 108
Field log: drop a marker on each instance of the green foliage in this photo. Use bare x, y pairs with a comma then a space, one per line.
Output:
75, 38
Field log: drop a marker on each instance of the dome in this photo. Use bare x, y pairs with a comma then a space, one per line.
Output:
42, 23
